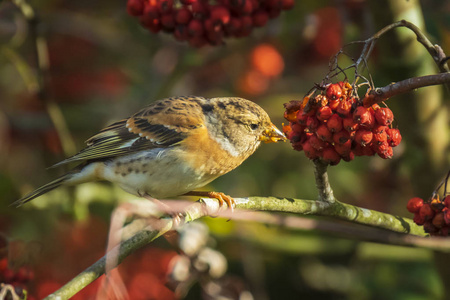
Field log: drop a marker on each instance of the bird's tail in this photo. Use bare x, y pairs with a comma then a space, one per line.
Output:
42, 190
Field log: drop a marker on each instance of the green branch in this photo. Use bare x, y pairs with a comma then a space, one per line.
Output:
210, 207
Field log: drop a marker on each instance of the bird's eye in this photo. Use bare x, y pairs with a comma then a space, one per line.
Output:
254, 126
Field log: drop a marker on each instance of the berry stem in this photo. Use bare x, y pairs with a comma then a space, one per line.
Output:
322, 182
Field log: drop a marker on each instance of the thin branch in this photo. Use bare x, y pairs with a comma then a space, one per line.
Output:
322, 182
381, 94
210, 207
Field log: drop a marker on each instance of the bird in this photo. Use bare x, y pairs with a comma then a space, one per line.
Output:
171, 147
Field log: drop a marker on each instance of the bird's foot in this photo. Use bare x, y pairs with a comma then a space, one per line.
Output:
223, 198
176, 216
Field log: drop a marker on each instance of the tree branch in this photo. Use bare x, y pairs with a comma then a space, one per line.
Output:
322, 182
210, 207
381, 94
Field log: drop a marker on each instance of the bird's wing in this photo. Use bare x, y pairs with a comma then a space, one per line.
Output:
162, 124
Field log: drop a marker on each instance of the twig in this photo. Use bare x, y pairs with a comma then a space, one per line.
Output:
381, 94
210, 207
322, 182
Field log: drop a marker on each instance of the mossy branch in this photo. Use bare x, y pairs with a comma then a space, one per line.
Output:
210, 207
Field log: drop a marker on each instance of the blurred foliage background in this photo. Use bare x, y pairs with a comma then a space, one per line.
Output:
104, 66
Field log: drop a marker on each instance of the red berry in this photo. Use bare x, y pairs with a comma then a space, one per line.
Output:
383, 150
324, 134
348, 157
301, 117
287, 4
135, 7
312, 123
200, 10
367, 151
384, 116
418, 219
341, 137
438, 220
414, 205
195, 28
344, 108
447, 201
426, 212
215, 38
246, 26
310, 152
363, 137
349, 124
394, 137
334, 104
330, 156
168, 21
260, 18
183, 16
165, 6
334, 91
233, 26
343, 149
429, 227
446, 212
219, 14
8, 275
361, 115
317, 143
334, 123
297, 128
379, 134
324, 113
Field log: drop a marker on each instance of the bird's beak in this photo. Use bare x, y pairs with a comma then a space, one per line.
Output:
272, 135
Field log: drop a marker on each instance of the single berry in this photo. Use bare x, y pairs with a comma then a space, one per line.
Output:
384, 116
361, 115
219, 14
394, 137
183, 16
334, 91
297, 128
310, 152
324, 113
379, 134
343, 149
287, 4
260, 18
334, 104
330, 156
168, 21
344, 108
324, 133
429, 227
383, 150
438, 220
334, 123
418, 219
363, 137
349, 124
312, 123
414, 205
135, 7
341, 137
316, 143
426, 212
195, 28
348, 157
447, 201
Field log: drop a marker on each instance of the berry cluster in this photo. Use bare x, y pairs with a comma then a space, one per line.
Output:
433, 215
335, 125
18, 279
199, 22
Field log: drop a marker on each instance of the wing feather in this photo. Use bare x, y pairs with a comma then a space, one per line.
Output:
163, 124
